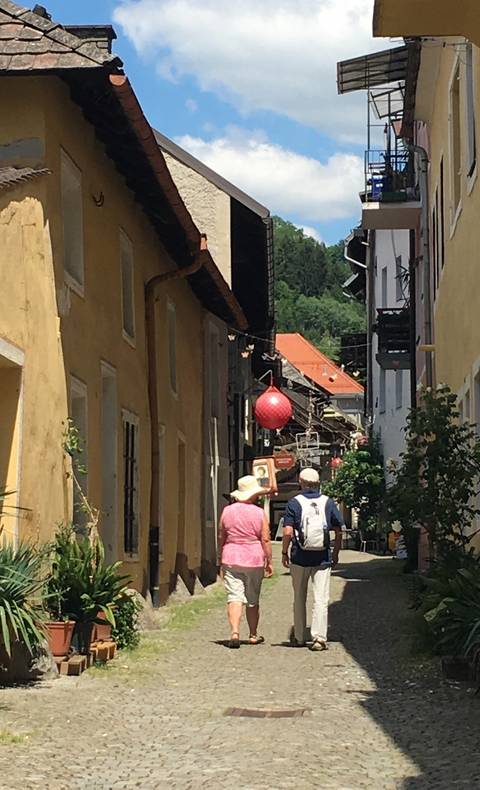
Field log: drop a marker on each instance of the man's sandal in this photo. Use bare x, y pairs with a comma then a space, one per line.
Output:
234, 641
253, 639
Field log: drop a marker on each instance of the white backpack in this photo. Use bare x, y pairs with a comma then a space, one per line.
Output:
313, 532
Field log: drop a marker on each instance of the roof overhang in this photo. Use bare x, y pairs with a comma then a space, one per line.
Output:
391, 216
440, 18
368, 71
111, 106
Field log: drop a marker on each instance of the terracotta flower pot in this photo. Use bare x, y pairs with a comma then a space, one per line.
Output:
59, 636
102, 632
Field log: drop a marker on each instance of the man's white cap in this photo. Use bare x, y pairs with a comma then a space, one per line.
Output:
310, 475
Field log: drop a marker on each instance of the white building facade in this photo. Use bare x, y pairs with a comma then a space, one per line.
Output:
390, 388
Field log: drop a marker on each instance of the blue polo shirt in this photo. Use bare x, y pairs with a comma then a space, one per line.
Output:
293, 518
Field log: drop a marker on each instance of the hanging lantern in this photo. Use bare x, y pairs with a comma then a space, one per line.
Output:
273, 409
335, 462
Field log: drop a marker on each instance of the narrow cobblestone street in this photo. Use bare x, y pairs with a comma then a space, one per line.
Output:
372, 720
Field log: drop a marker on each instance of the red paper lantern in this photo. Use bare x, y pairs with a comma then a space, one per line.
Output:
273, 409
335, 462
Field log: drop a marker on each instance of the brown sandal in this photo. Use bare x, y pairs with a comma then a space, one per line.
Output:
253, 639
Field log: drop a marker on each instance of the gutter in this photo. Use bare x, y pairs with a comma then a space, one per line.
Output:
130, 105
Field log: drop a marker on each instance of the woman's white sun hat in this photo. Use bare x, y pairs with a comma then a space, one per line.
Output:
247, 487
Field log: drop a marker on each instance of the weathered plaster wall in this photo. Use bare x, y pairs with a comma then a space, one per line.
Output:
28, 321
456, 302
91, 327
210, 209
389, 422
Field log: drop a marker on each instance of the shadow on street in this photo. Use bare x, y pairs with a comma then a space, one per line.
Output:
432, 721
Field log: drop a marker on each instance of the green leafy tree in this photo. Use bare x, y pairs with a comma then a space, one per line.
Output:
437, 482
360, 483
300, 261
308, 289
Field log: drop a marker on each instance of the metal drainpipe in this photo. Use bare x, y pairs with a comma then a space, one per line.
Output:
370, 258
366, 408
154, 529
412, 291
427, 296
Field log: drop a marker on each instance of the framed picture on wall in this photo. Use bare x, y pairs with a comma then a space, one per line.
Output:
265, 472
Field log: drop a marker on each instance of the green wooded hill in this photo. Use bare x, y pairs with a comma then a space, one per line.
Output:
308, 289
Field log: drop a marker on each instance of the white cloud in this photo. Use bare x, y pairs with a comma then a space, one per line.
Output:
312, 232
191, 105
286, 182
269, 55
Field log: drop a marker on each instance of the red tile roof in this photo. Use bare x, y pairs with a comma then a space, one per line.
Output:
316, 366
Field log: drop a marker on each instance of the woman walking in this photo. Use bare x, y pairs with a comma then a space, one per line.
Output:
245, 556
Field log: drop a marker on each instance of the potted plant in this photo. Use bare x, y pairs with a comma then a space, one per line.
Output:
89, 587
59, 628
22, 614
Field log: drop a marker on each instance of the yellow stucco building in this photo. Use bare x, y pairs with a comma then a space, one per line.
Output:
107, 290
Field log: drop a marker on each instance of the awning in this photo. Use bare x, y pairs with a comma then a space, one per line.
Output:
367, 71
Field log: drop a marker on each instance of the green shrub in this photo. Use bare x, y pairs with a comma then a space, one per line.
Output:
125, 631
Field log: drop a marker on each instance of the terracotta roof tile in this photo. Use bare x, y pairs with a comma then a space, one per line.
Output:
11, 176
319, 368
31, 40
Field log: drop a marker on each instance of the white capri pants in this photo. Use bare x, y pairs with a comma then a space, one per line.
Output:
243, 585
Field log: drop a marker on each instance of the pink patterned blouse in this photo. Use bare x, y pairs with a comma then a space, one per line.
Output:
243, 523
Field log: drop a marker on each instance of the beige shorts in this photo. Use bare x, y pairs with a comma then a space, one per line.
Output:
243, 585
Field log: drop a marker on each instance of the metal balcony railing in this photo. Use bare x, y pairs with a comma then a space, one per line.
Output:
389, 176
393, 331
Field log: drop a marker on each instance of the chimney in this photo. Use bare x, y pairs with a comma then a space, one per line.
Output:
101, 35
40, 10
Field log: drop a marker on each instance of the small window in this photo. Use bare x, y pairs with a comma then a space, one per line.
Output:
128, 300
130, 483
382, 392
72, 217
384, 287
172, 346
455, 143
471, 141
79, 421
398, 389
399, 278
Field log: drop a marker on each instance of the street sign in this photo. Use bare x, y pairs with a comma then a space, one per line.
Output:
284, 460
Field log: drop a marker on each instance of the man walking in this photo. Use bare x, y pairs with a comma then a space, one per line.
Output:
309, 517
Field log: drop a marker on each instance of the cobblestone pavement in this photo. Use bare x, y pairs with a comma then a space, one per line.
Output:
375, 719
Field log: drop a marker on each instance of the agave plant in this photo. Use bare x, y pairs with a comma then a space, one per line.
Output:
452, 609
21, 596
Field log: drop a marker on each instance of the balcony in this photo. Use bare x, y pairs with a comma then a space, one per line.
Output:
411, 18
393, 330
390, 200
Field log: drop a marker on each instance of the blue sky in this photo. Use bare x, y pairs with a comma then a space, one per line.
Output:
250, 89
